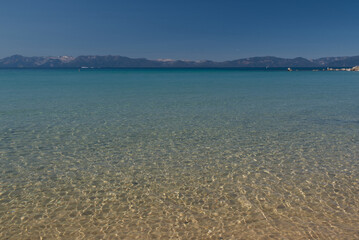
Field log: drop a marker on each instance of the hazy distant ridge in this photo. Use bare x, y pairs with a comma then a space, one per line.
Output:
18, 61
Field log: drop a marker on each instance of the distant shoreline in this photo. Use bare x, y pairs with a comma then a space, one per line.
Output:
119, 62
284, 69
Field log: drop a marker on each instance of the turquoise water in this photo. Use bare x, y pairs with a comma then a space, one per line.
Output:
181, 154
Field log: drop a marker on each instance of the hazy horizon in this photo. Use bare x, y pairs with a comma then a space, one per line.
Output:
100, 55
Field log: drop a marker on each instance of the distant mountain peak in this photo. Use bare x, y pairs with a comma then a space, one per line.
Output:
115, 61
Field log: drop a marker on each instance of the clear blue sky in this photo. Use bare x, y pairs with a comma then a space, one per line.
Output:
197, 29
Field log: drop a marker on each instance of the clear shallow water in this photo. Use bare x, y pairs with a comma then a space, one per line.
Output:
191, 154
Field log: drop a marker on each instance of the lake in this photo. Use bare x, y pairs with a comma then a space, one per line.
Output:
179, 153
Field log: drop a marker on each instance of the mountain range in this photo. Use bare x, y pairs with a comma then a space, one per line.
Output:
110, 61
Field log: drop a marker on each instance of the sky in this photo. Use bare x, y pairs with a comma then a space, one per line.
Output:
189, 30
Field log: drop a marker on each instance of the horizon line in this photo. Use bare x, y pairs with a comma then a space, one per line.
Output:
171, 59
